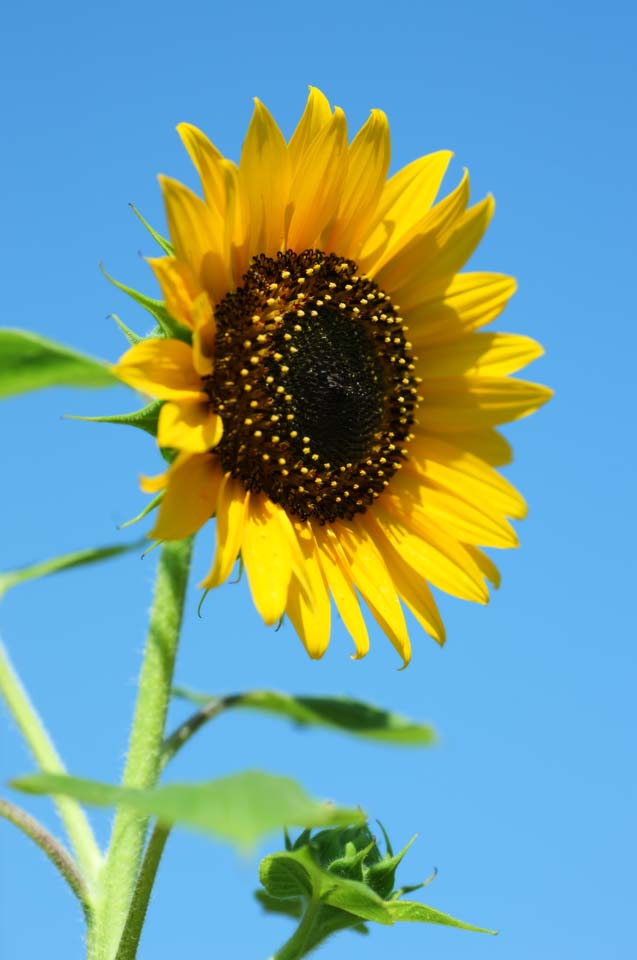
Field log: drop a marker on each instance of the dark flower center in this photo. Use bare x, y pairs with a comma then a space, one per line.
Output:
314, 382
337, 384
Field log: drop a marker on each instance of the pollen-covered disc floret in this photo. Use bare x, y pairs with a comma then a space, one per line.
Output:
315, 385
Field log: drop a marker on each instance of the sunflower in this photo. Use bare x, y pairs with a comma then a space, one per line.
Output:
328, 397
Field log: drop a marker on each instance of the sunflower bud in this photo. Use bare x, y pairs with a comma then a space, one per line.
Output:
338, 879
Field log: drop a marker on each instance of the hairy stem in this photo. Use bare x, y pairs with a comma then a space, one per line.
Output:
139, 905
53, 848
143, 761
295, 947
46, 756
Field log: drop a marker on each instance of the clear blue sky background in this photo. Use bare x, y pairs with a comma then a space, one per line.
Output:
527, 806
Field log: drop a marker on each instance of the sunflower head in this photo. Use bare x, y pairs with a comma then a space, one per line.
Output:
328, 395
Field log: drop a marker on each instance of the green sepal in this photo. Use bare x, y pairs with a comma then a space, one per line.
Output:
130, 335
294, 874
409, 911
31, 362
332, 919
144, 419
289, 908
381, 876
301, 841
201, 603
153, 546
154, 503
411, 888
165, 245
350, 866
168, 453
169, 327
335, 846
388, 846
237, 579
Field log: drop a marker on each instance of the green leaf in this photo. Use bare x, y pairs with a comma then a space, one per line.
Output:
337, 713
31, 362
240, 808
144, 419
412, 912
80, 558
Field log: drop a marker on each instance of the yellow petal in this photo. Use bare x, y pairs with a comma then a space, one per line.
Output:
208, 162
487, 566
162, 368
431, 552
336, 572
409, 256
405, 200
410, 585
154, 484
488, 354
264, 179
205, 331
236, 223
465, 475
232, 503
316, 115
316, 189
189, 425
457, 243
487, 444
372, 578
297, 556
309, 610
265, 551
191, 496
464, 521
445, 311
368, 162
178, 286
471, 403
197, 233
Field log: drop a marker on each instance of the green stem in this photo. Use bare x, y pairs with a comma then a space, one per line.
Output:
143, 761
47, 758
137, 913
53, 848
295, 947
182, 734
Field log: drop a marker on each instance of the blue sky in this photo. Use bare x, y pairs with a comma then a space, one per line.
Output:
527, 806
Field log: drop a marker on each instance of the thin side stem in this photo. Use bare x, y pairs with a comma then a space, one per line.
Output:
143, 761
182, 734
137, 913
294, 949
53, 848
47, 758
